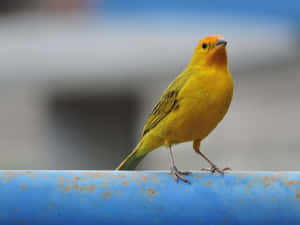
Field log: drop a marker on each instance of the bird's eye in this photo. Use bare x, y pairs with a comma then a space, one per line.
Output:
204, 45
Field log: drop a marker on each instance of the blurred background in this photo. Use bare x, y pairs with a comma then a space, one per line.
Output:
79, 78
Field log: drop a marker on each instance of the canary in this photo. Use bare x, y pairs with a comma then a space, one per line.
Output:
190, 108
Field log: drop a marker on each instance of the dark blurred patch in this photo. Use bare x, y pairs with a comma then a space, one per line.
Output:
91, 132
13, 6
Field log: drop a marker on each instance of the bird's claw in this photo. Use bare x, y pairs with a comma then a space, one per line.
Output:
177, 174
214, 169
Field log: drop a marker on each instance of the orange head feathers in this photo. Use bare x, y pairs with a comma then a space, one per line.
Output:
211, 51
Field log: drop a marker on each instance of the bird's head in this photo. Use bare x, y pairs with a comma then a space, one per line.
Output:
211, 51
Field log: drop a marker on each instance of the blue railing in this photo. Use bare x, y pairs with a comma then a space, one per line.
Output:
147, 197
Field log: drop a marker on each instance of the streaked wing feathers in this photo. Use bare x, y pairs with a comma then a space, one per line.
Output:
166, 103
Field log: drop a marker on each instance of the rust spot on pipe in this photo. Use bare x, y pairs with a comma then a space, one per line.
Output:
76, 186
94, 174
125, 183
77, 178
34, 176
207, 183
198, 176
83, 188
267, 185
254, 175
59, 186
106, 194
92, 187
123, 175
292, 182
10, 175
133, 176
267, 179
248, 185
151, 191
154, 179
144, 178
289, 184
60, 179
138, 182
67, 188
297, 194
105, 185
23, 186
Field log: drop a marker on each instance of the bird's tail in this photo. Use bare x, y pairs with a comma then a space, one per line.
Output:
134, 158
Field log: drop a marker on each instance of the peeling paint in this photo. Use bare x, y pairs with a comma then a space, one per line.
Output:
60, 179
23, 186
297, 194
143, 177
125, 183
106, 194
292, 182
289, 183
34, 176
104, 185
123, 175
83, 188
198, 176
67, 188
154, 179
133, 176
77, 178
92, 187
248, 185
138, 182
254, 175
94, 175
10, 176
151, 191
76, 186
268, 179
59, 187
207, 183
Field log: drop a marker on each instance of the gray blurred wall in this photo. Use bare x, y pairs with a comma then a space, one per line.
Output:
75, 95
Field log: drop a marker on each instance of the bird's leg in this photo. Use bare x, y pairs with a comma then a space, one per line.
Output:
213, 168
174, 171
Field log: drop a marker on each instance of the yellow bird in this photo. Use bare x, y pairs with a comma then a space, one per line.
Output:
190, 108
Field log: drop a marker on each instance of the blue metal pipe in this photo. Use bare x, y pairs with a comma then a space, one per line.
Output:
147, 197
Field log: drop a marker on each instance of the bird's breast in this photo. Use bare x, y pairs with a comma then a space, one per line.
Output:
201, 106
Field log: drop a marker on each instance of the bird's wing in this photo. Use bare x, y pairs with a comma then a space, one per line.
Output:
166, 103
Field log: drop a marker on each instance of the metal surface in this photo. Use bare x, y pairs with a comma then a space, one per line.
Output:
147, 197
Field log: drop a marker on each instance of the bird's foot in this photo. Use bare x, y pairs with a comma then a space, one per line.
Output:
177, 174
214, 169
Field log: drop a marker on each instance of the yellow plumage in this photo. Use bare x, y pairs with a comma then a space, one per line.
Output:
191, 107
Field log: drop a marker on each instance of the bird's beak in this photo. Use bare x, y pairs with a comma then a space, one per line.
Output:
220, 42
